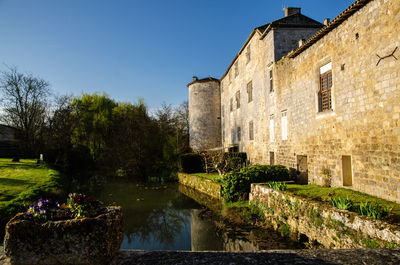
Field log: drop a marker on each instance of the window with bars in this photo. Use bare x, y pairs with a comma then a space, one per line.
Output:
271, 82
231, 105
251, 130
325, 92
250, 91
239, 134
238, 99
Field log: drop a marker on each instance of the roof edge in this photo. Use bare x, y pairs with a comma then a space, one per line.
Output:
348, 12
204, 80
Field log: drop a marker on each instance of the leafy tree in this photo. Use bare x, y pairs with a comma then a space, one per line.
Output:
92, 116
24, 102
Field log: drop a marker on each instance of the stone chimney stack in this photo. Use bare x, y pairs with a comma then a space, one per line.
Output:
326, 21
292, 10
195, 78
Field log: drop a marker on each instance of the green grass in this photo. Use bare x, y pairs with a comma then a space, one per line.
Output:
22, 183
325, 194
211, 176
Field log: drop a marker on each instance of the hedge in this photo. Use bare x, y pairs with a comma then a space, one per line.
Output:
236, 185
191, 163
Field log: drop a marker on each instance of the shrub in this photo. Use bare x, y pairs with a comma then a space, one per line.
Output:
277, 185
342, 203
191, 163
236, 185
375, 211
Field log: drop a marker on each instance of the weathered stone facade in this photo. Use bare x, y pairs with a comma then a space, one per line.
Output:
353, 141
204, 114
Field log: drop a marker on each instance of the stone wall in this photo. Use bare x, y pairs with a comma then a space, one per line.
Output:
330, 227
364, 122
201, 184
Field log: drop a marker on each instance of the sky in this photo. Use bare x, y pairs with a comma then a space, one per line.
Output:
131, 49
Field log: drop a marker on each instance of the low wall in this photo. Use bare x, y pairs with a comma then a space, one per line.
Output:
321, 223
201, 184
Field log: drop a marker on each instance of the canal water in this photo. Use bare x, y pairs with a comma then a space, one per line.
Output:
162, 217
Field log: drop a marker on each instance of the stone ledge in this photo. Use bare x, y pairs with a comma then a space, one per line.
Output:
201, 184
331, 256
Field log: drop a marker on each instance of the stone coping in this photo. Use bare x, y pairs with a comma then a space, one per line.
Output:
338, 256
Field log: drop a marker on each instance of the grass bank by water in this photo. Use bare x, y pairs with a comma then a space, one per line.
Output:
24, 182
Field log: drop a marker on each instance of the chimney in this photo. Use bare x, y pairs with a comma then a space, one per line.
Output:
195, 78
326, 21
292, 11
301, 42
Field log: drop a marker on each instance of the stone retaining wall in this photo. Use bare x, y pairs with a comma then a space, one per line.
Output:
322, 223
201, 184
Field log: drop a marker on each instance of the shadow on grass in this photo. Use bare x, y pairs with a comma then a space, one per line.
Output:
13, 182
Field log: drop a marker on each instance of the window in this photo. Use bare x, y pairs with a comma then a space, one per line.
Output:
271, 128
237, 68
238, 99
223, 111
248, 54
325, 95
231, 105
250, 91
271, 82
251, 131
284, 125
233, 136
239, 134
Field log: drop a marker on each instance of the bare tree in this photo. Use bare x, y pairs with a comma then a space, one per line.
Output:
24, 101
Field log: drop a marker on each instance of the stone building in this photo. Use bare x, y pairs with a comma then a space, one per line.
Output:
320, 98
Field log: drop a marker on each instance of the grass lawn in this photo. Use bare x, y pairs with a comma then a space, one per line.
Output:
324, 194
212, 176
22, 183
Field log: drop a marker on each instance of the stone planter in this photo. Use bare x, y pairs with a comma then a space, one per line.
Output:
92, 240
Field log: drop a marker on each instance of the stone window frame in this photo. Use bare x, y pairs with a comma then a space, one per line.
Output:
271, 81
251, 130
248, 53
284, 125
237, 96
272, 128
317, 84
249, 91
236, 66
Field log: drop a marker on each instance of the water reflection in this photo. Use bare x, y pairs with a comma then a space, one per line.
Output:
167, 217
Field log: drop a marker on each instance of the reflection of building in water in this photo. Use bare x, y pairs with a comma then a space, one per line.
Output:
207, 234
203, 233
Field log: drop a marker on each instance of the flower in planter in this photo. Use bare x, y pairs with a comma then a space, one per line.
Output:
43, 209
82, 205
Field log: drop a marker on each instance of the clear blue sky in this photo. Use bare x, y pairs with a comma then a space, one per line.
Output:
135, 49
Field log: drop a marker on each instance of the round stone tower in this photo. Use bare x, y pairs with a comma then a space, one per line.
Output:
204, 114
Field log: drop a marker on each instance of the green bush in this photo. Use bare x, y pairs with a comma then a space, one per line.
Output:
235, 160
236, 185
191, 163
